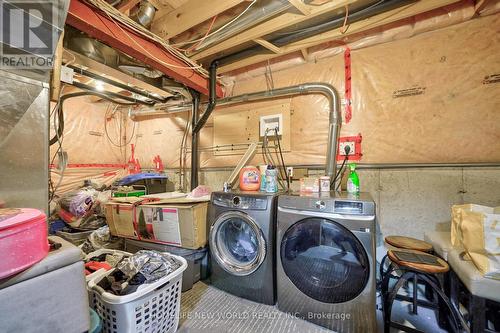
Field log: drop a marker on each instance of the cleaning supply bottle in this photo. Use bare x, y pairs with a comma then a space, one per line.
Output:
271, 179
353, 180
263, 169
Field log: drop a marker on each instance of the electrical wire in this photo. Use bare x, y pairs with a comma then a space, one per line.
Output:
115, 15
282, 159
219, 29
119, 145
194, 46
344, 27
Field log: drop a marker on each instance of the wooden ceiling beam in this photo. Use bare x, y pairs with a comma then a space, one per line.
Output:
280, 22
300, 6
188, 15
479, 6
127, 5
356, 27
271, 47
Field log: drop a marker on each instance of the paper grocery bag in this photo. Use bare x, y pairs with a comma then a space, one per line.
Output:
456, 220
481, 240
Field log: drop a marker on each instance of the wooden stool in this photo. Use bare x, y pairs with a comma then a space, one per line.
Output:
408, 243
416, 271
403, 242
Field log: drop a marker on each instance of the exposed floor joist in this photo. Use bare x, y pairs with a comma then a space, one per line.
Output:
274, 24
84, 18
188, 15
127, 5
301, 7
372, 22
271, 47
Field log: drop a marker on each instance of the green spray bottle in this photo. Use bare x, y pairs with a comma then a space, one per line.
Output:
353, 180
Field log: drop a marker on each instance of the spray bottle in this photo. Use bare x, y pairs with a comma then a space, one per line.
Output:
353, 180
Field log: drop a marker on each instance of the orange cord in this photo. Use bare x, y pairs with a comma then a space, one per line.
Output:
194, 46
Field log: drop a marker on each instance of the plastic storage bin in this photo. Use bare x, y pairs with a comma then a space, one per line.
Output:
153, 308
23, 239
197, 260
153, 182
75, 237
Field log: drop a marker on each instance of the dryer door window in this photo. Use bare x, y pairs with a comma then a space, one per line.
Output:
237, 243
324, 260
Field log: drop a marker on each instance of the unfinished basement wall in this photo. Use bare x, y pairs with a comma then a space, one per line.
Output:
453, 120
95, 137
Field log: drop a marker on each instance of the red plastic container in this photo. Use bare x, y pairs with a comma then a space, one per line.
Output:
23, 239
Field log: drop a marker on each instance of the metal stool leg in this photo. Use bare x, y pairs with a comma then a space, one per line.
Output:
415, 296
445, 300
391, 296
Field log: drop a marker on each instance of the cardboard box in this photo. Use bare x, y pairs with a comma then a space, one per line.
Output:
120, 218
177, 224
183, 225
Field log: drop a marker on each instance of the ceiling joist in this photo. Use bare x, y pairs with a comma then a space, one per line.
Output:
300, 6
356, 27
274, 24
127, 5
188, 15
267, 45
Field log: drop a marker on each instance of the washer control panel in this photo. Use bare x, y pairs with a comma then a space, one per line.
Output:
250, 202
341, 204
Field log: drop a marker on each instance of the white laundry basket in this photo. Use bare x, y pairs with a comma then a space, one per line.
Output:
153, 308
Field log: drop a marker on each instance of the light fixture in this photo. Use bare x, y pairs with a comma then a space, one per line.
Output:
99, 85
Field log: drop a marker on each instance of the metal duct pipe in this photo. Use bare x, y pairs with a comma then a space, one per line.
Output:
117, 84
336, 22
260, 12
301, 89
195, 154
111, 94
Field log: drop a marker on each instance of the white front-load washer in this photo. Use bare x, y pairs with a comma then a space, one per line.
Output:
326, 260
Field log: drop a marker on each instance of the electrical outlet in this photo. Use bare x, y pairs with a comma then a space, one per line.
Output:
351, 145
289, 171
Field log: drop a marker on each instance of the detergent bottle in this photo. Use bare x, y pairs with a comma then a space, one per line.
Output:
249, 179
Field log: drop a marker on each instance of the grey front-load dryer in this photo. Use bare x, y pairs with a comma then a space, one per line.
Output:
326, 260
241, 241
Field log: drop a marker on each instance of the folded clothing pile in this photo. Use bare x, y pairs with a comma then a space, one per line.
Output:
132, 272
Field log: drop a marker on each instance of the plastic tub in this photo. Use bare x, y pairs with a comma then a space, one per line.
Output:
154, 307
75, 237
23, 239
95, 322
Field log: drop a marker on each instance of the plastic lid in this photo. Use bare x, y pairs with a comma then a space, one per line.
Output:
10, 217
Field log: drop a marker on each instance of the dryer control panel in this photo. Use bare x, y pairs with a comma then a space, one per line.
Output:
230, 200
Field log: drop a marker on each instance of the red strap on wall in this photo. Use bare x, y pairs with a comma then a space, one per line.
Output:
348, 95
92, 165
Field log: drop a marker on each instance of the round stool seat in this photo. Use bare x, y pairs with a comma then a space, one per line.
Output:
419, 266
409, 243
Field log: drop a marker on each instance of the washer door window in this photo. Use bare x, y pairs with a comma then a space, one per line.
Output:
237, 243
324, 260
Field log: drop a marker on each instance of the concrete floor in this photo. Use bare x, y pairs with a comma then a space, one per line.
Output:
205, 309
